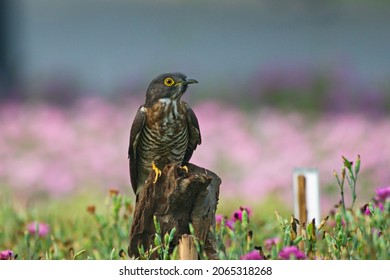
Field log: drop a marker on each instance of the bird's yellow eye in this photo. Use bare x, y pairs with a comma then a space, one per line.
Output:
169, 82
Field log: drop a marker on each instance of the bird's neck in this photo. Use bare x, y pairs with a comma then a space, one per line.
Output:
169, 106
165, 111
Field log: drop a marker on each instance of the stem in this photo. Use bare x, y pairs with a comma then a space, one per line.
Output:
353, 193
352, 179
342, 200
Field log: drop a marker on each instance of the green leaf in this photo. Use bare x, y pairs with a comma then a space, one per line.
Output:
157, 240
297, 240
347, 163
79, 253
245, 219
166, 239
112, 253
172, 234
156, 225
357, 166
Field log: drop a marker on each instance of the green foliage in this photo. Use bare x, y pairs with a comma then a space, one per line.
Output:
346, 233
360, 236
73, 235
234, 238
162, 244
351, 177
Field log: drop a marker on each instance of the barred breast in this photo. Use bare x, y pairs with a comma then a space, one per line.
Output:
164, 138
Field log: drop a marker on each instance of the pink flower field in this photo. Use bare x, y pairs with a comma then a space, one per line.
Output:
59, 151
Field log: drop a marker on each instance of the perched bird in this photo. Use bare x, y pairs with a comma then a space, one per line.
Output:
165, 129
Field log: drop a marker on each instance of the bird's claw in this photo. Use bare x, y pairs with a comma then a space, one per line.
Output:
184, 167
156, 171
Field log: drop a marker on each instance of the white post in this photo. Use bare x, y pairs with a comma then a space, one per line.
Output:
312, 193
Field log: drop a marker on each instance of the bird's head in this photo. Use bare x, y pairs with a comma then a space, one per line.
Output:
169, 86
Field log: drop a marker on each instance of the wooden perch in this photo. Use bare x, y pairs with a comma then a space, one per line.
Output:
177, 201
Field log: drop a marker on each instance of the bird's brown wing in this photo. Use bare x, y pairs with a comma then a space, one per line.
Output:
194, 138
136, 128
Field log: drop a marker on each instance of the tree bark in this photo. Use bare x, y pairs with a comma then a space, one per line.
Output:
177, 199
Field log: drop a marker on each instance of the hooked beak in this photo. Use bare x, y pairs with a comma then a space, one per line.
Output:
183, 86
190, 81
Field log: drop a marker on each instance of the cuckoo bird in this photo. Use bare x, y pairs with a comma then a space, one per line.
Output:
165, 129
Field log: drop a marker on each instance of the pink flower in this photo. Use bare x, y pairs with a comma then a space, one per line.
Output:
237, 215
252, 255
219, 218
376, 231
270, 242
230, 224
383, 193
378, 205
291, 252
365, 210
41, 229
6, 255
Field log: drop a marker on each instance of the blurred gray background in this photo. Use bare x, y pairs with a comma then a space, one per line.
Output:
106, 46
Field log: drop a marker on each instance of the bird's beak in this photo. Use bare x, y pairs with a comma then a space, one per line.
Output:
183, 86
190, 81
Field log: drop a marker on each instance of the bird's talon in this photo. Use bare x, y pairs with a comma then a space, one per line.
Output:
156, 171
185, 168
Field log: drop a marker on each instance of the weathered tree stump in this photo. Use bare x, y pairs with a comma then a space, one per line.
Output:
177, 201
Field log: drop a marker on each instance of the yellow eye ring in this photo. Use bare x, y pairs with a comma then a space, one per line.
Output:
169, 82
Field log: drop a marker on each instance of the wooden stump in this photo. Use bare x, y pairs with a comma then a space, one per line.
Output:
177, 201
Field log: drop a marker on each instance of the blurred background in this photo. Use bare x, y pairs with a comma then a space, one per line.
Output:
282, 84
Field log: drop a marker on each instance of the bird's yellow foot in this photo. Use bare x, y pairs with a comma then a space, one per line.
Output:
157, 171
184, 168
